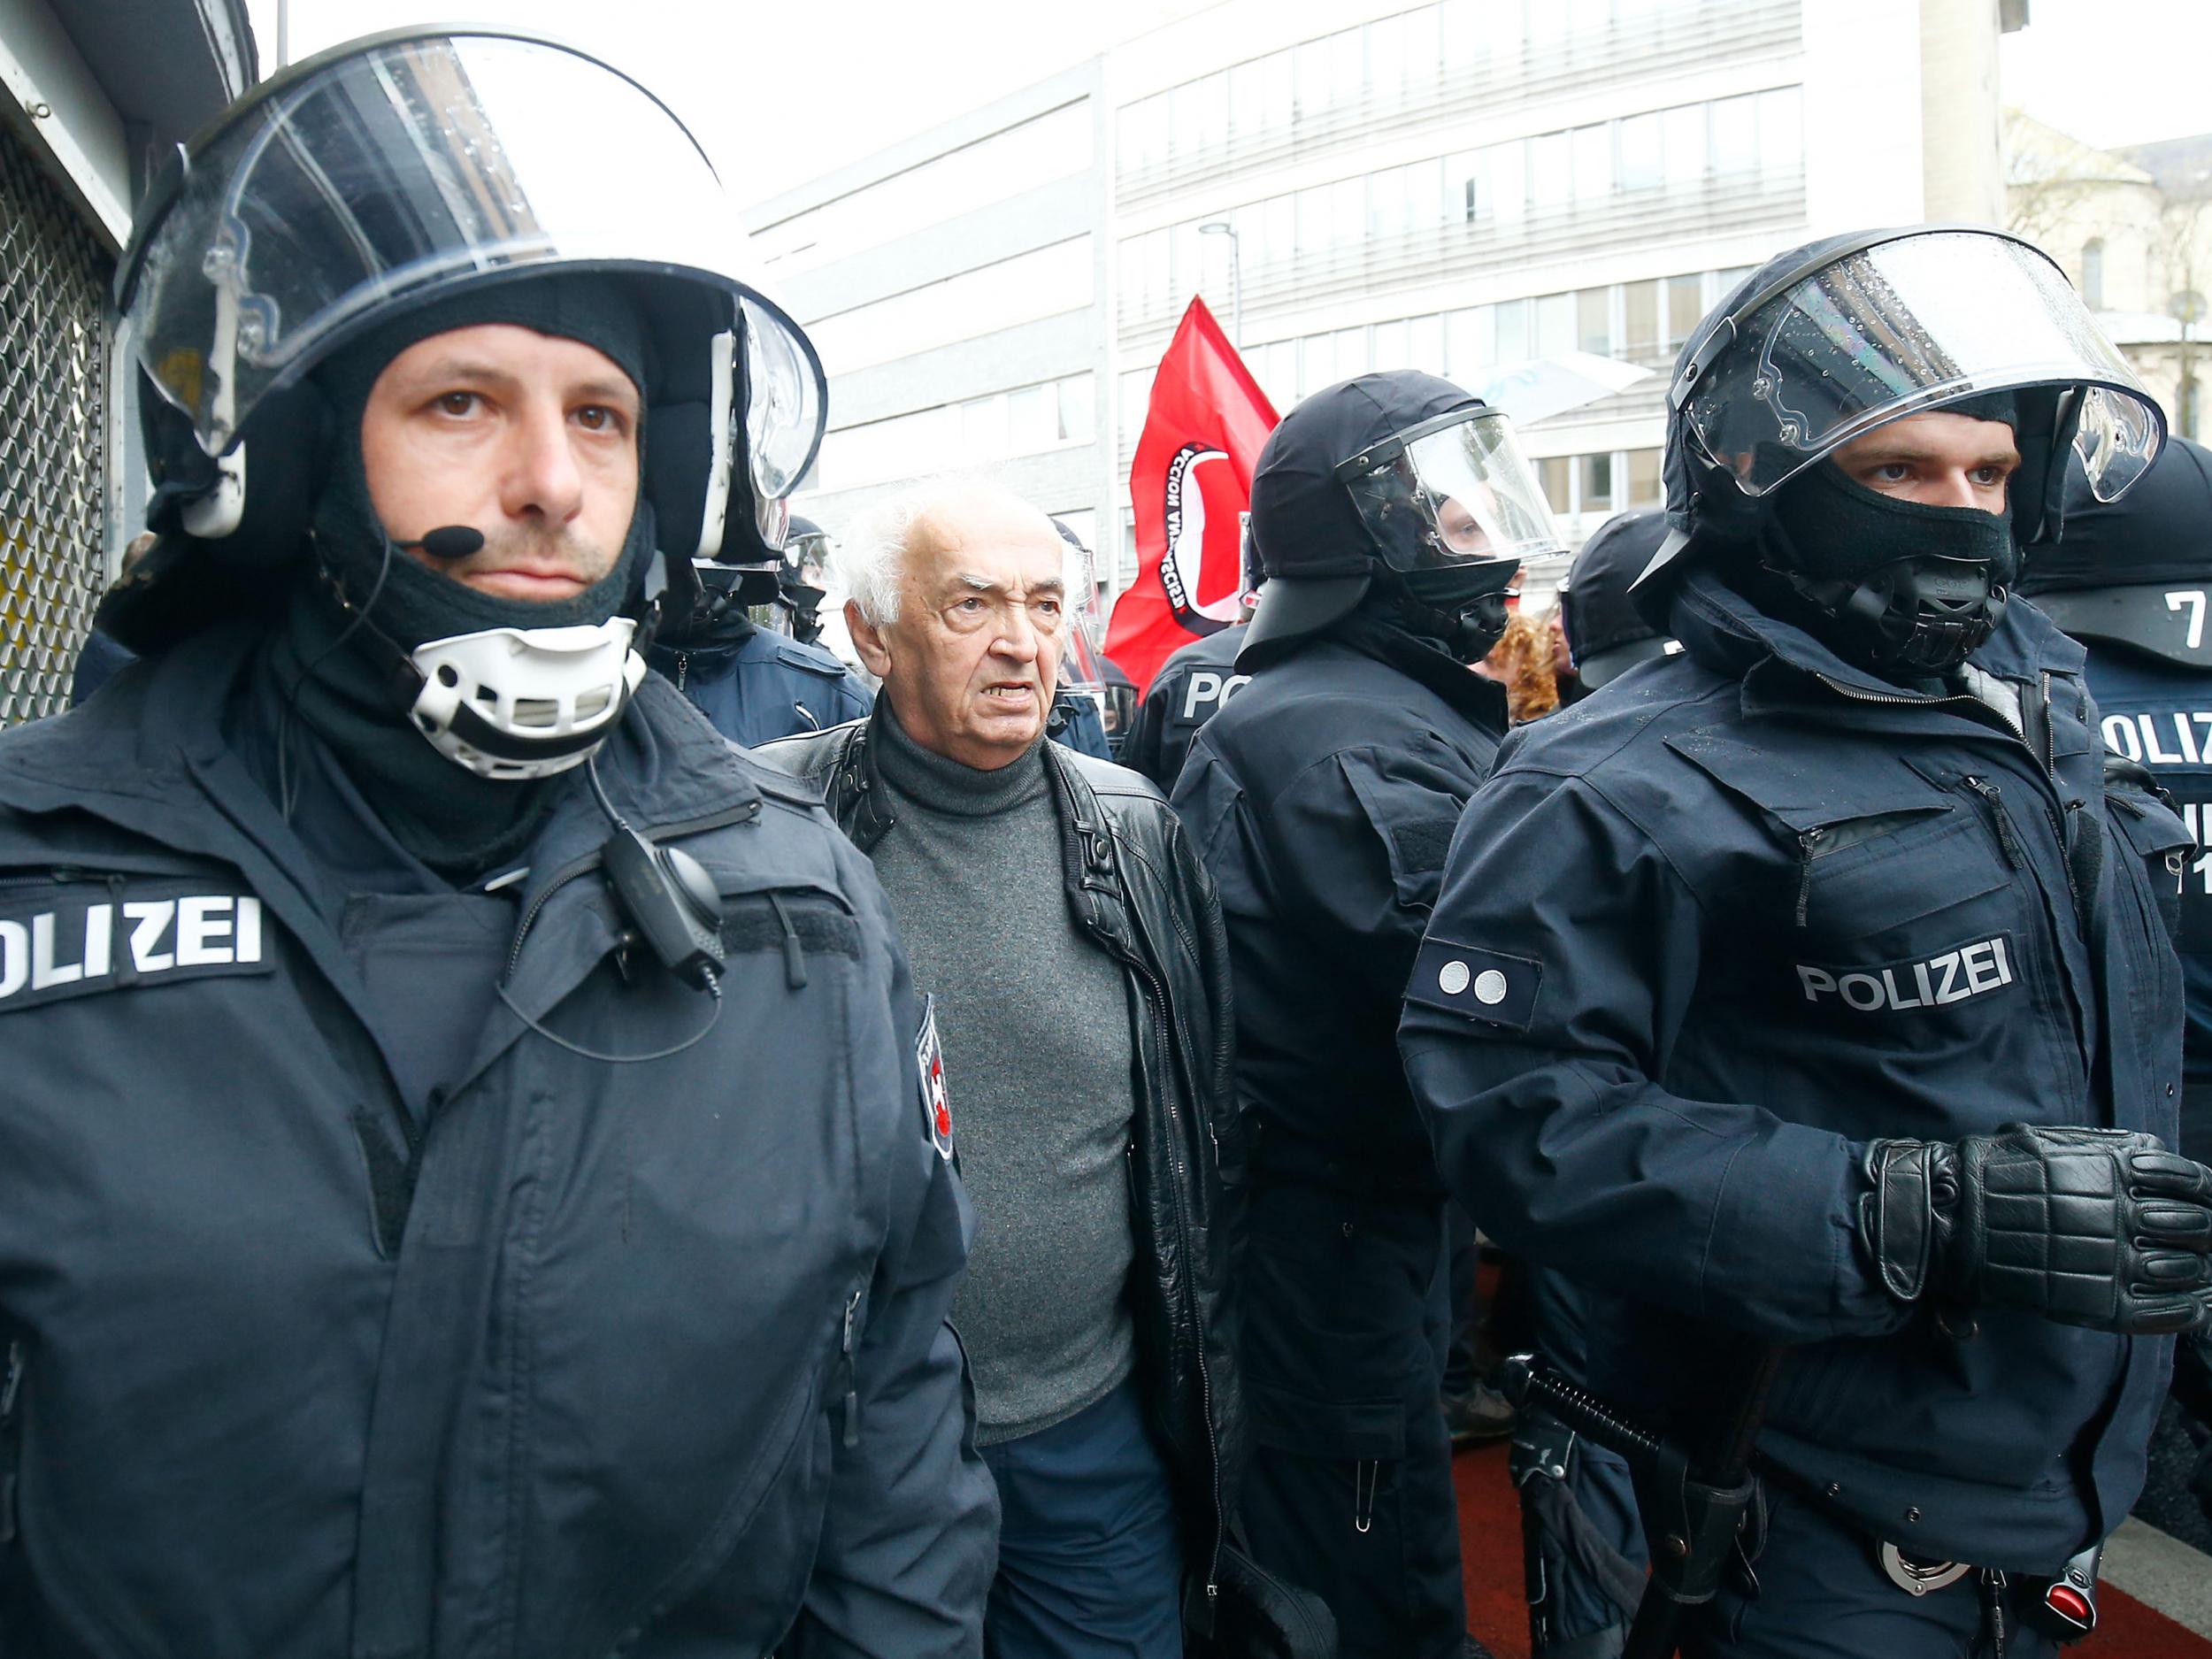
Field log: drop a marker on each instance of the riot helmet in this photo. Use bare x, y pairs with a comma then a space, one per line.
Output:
802, 579
1086, 671
1403, 485
2136, 573
1826, 343
428, 178
1606, 634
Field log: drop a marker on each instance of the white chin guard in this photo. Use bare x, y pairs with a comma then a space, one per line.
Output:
524, 703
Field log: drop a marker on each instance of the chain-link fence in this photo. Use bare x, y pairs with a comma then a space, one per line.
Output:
54, 279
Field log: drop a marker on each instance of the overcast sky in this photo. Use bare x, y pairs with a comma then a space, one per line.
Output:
780, 93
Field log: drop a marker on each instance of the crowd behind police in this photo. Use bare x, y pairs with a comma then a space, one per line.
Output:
550, 1114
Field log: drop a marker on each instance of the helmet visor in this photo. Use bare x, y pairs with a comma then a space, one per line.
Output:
1453, 491
402, 171
1903, 328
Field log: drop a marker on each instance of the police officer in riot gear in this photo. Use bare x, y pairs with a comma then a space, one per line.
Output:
799, 578
733, 657
1607, 635
1191, 688
468, 1181
2131, 581
1811, 988
1390, 513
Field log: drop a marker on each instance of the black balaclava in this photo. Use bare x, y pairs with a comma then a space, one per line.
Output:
1459, 609
1904, 588
459, 824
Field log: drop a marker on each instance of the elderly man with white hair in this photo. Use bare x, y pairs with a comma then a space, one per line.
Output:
1071, 945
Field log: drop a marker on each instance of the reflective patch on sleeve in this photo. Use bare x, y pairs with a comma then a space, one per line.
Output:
929, 1053
1476, 984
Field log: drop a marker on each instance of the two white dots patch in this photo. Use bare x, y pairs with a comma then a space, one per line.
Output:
1490, 986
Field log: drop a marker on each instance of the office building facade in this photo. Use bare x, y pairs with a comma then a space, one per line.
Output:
1452, 187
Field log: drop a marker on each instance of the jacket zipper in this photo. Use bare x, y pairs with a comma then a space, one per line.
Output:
851, 1432
1993, 798
11, 1386
683, 668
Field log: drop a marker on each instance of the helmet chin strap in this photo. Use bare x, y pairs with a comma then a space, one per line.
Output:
509, 703
1467, 625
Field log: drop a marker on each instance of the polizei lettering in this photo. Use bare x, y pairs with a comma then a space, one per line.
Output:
73, 949
1969, 971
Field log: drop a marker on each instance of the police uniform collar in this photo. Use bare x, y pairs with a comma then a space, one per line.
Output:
1724, 630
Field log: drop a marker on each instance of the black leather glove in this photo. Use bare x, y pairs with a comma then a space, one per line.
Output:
2096, 1227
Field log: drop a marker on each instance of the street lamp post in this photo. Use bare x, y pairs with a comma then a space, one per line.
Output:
1223, 228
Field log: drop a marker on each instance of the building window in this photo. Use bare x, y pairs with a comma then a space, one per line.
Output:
1555, 473
2092, 273
2189, 398
1645, 489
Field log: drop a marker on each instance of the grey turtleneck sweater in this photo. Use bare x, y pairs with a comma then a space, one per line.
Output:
1034, 1019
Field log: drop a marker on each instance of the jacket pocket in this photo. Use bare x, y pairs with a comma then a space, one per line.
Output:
1370, 1430
2163, 847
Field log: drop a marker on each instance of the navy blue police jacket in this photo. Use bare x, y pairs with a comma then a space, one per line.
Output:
766, 686
1706, 934
1323, 800
569, 1358
1192, 686
2159, 714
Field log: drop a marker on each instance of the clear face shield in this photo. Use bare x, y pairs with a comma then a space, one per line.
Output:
1452, 493
404, 170
1905, 326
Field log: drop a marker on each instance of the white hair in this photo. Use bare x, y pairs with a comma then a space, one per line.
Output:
869, 560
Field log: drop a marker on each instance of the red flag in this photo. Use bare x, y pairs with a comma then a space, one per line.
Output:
1191, 478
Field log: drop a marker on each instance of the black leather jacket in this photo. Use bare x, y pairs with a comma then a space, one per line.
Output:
1136, 886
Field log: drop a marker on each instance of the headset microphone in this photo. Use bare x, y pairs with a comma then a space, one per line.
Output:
447, 541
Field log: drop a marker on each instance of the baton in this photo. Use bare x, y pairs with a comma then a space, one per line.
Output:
1703, 1502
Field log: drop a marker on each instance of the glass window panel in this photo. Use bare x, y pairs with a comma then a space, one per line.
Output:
1641, 166
1426, 343
1682, 145
1247, 101
1594, 322
1546, 25
1781, 133
1182, 119
1078, 408
1313, 219
1466, 40
1391, 350
1189, 254
1640, 322
1135, 399
1551, 171
1555, 473
1471, 342
1507, 168
1597, 483
1282, 221
1278, 91
1348, 67
1032, 419
1317, 364
1313, 79
1725, 280
1251, 226
1351, 352
1686, 305
1347, 199
1132, 274
983, 428
1386, 61
1467, 186
1644, 486
1387, 204
1424, 51
1425, 200
1592, 163
1280, 382
1554, 325
1144, 132
1213, 112
1735, 134
1513, 331
1588, 19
